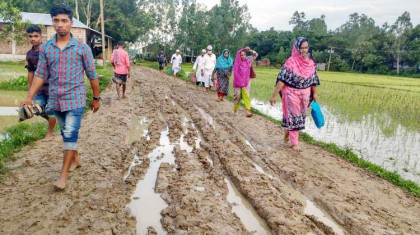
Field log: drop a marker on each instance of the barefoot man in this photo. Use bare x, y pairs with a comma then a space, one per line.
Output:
121, 63
41, 98
62, 62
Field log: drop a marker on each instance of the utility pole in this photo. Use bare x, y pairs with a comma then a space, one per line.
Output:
329, 59
101, 2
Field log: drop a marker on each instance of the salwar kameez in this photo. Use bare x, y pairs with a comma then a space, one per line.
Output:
298, 76
223, 81
242, 93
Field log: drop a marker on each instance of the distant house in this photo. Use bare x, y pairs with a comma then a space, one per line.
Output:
10, 51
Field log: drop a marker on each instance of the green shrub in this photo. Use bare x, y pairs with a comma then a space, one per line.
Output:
16, 84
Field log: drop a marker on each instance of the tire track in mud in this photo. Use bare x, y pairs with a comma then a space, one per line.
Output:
348, 194
276, 181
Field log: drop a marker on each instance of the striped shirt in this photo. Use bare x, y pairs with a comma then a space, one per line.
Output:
64, 70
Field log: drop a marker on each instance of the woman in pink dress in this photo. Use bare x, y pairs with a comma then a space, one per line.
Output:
296, 84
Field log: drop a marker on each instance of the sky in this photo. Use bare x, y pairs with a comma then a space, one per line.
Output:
277, 13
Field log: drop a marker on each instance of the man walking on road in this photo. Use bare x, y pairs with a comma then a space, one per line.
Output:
176, 61
161, 59
198, 68
209, 63
121, 63
62, 62
41, 98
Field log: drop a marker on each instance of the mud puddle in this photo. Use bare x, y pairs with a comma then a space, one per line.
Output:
244, 210
206, 117
147, 205
138, 128
257, 167
311, 209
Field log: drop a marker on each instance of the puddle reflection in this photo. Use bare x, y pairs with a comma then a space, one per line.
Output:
311, 209
244, 210
149, 204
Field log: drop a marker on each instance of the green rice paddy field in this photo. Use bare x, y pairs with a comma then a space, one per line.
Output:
351, 96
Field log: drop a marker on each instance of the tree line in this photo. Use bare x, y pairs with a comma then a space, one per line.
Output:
357, 45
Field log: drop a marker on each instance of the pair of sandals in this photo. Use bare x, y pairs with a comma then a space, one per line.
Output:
118, 81
27, 112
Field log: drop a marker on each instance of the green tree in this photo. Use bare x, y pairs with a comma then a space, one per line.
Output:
15, 28
400, 31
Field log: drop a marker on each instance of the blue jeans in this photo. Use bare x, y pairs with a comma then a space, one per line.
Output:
69, 122
42, 99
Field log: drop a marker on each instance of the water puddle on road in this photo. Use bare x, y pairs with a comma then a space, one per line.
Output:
257, 167
146, 205
138, 128
311, 209
262, 171
244, 210
206, 117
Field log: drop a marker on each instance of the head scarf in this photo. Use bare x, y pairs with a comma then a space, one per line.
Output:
222, 62
241, 71
297, 63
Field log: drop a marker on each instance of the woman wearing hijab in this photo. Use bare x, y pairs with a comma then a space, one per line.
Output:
241, 81
222, 72
297, 83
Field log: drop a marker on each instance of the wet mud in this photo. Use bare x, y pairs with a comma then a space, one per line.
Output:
173, 151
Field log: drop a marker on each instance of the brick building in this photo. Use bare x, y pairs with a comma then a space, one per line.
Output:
11, 51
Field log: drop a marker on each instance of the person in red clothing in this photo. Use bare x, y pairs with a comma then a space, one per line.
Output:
121, 63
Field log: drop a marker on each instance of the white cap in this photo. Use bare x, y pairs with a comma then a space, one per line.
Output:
177, 50
209, 48
203, 51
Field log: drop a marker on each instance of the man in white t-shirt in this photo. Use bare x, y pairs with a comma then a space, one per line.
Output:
176, 61
209, 62
198, 67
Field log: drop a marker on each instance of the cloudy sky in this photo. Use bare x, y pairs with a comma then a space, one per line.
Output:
277, 13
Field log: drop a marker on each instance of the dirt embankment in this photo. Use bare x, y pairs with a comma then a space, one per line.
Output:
278, 182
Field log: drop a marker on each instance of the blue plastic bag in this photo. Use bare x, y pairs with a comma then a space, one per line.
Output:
170, 71
317, 114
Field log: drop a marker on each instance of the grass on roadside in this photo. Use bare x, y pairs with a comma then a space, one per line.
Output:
16, 84
19, 136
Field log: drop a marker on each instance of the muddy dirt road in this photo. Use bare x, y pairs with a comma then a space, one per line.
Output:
170, 159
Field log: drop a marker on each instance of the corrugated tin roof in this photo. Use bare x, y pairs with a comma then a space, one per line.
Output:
45, 19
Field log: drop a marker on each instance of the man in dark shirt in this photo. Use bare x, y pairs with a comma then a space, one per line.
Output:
41, 98
161, 60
